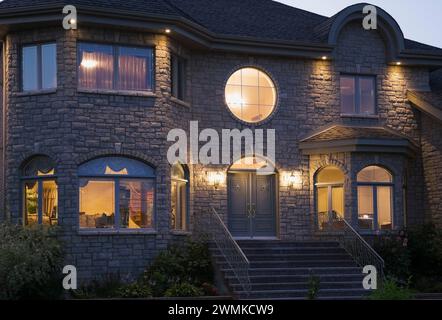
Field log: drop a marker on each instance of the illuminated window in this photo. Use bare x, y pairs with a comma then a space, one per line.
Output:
116, 193
250, 95
375, 199
40, 192
330, 197
39, 67
358, 95
179, 194
114, 67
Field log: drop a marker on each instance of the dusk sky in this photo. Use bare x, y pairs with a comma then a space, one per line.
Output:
420, 20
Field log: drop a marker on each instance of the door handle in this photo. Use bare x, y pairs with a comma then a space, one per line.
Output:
249, 210
253, 210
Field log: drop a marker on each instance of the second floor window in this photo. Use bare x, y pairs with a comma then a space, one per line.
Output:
110, 67
39, 67
179, 77
358, 95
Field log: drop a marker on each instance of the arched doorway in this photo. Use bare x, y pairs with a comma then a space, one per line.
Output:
329, 184
252, 199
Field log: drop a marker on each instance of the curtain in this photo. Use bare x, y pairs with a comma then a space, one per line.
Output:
96, 70
133, 73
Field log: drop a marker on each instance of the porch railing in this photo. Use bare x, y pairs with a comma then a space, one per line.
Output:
360, 250
213, 226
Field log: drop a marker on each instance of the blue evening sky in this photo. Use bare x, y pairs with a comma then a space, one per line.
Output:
420, 20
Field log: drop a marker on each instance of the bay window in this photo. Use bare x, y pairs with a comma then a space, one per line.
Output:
110, 67
375, 199
116, 193
39, 67
40, 192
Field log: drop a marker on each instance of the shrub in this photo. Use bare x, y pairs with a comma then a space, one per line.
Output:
134, 290
106, 287
313, 286
30, 263
184, 290
180, 264
391, 290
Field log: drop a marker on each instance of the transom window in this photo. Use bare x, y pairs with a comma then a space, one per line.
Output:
358, 95
39, 67
116, 193
250, 95
375, 199
179, 194
110, 67
330, 198
40, 192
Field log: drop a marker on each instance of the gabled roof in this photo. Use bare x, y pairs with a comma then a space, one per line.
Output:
258, 19
344, 138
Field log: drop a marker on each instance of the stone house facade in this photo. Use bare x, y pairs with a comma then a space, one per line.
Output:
71, 129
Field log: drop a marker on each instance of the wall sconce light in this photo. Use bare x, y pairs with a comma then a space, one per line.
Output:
168, 30
324, 57
292, 179
215, 178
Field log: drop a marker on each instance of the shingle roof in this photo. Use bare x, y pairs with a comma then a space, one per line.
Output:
261, 19
341, 132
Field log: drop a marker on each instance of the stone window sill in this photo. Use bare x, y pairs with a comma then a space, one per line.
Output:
360, 116
180, 102
180, 233
35, 92
95, 232
148, 94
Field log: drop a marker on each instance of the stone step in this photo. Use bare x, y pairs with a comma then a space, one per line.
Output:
245, 244
296, 264
299, 286
299, 271
302, 293
271, 278
297, 256
292, 250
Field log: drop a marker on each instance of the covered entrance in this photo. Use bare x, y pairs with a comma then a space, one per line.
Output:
252, 199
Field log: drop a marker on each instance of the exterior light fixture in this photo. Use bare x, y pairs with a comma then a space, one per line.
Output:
168, 30
398, 63
292, 179
324, 58
215, 178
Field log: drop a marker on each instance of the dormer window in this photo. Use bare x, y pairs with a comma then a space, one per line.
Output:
358, 95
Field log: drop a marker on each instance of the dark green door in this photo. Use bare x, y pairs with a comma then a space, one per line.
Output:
252, 206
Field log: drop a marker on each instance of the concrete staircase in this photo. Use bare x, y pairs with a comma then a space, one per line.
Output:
281, 270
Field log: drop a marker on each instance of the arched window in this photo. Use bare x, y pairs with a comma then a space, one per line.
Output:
179, 194
250, 95
375, 199
40, 192
116, 192
330, 197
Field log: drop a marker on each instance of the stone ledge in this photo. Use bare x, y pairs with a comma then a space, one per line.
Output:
148, 94
93, 232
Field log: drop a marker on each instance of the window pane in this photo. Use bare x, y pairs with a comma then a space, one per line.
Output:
96, 69
31, 202
330, 175
179, 205
322, 206
178, 77
250, 113
348, 95
134, 68
50, 203
97, 203
249, 77
338, 202
365, 207
174, 204
384, 208
374, 174
29, 68
136, 203
367, 92
267, 96
250, 95
49, 66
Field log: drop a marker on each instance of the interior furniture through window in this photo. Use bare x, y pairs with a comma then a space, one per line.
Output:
40, 192
116, 193
375, 199
250, 95
39, 67
358, 95
179, 195
111, 67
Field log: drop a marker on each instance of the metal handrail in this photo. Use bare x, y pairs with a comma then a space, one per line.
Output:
360, 250
218, 232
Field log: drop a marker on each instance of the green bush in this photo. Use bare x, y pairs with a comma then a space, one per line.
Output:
180, 264
134, 290
314, 283
105, 287
30, 263
184, 290
391, 290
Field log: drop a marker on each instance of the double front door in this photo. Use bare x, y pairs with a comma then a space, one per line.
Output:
252, 205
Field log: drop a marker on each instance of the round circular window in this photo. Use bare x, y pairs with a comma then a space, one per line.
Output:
250, 95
